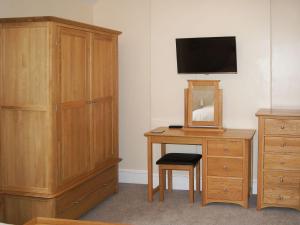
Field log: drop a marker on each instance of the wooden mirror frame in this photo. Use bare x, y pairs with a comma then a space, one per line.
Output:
215, 124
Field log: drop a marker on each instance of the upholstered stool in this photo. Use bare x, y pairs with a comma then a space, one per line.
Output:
179, 161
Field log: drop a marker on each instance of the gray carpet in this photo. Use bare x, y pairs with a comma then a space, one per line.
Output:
130, 206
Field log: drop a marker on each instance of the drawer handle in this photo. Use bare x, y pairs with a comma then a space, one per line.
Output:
75, 203
283, 145
282, 126
225, 190
226, 149
225, 167
280, 198
281, 179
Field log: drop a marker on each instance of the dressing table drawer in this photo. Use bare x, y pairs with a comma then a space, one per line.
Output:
282, 126
282, 145
225, 188
225, 167
225, 148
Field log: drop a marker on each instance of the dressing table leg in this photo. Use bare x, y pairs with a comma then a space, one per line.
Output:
150, 169
198, 177
170, 183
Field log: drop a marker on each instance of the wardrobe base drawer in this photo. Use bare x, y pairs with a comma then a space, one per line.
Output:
224, 189
90, 200
75, 195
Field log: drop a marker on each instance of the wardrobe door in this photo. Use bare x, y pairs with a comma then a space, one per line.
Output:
74, 110
104, 122
25, 140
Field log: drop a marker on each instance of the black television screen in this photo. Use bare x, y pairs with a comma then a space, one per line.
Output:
206, 55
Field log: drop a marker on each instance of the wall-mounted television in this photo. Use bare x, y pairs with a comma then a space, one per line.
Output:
206, 55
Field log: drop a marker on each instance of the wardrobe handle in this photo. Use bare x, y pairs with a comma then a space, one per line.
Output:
283, 145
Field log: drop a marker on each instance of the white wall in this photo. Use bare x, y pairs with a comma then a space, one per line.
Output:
244, 93
133, 19
286, 53
79, 10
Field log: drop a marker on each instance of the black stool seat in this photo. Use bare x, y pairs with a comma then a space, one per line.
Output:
179, 159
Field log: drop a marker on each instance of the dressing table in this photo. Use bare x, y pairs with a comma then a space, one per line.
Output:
226, 169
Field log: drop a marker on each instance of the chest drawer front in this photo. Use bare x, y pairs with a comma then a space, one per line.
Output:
281, 162
282, 126
225, 148
282, 144
76, 195
282, 197
224, 167
281, 179
225, 189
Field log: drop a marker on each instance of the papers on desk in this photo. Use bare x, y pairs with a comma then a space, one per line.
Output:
158, 130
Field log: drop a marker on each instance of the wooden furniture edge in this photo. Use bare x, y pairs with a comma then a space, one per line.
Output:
58, 20
278, 112
204, 129
199, 133
54, 221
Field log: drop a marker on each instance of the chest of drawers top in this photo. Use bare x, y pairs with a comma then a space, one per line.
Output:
279, 122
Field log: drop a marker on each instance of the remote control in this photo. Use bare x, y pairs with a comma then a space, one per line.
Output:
175, 126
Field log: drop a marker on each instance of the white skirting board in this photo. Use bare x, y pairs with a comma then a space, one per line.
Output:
180, 179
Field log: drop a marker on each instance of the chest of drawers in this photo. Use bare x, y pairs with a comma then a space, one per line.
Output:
278, 159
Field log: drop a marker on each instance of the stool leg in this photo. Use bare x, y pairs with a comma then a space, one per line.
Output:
162, 180
191, 184
198, 176
170, 180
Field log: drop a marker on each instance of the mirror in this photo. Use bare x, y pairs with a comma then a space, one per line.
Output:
204, 104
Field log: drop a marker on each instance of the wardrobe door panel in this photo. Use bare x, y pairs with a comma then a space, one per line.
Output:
74, 148
25, 53
74, 110
104, 98
26, 151
102, 132
74, 50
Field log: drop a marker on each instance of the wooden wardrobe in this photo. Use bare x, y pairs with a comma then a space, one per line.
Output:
59, 117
